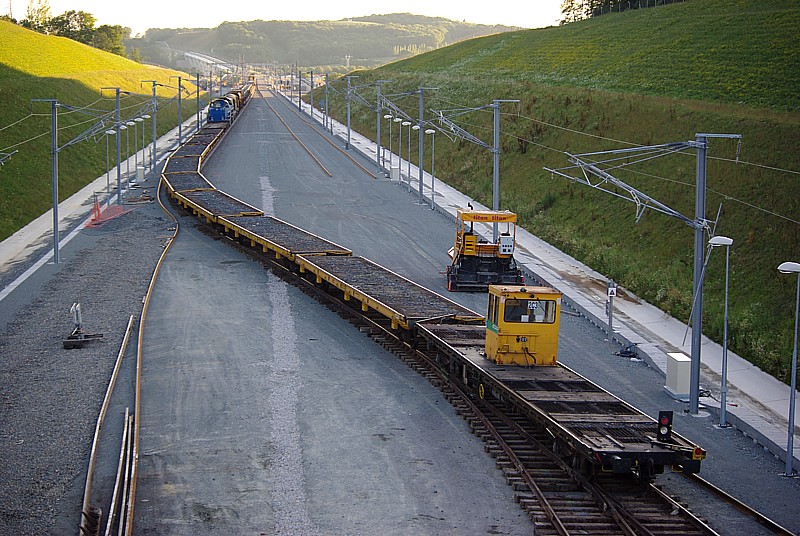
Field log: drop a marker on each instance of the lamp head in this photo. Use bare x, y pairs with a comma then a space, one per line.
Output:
406, 123
415, 127
111, 132
430, 131
398, 119
720, 241
789, 267
387, 116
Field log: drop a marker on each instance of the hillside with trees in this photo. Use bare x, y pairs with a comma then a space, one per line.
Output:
368, 41
76, 25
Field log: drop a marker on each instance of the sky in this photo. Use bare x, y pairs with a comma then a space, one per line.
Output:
144, 14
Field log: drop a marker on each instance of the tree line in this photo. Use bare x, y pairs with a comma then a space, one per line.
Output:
575, 10
76, 25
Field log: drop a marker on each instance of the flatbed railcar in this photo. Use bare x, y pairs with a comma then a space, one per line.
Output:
510, 354
186, 182
589, 425
215, 204
282, 239
398, 299
186, 164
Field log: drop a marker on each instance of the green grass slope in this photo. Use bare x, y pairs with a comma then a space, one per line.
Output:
738, 51
36, 66
637, 78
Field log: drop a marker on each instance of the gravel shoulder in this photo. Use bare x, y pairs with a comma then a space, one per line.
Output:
51, 396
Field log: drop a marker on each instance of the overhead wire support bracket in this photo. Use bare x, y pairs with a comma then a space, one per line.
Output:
636, 196
699, 223
456, 132
360, 98
398, 112
6, 156
461, 133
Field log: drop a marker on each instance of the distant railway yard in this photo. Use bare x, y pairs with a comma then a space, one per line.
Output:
300, 368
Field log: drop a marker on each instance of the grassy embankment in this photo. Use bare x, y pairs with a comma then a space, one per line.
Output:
641, 77
36, 66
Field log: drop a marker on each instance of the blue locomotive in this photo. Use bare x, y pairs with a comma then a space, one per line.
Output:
224, 109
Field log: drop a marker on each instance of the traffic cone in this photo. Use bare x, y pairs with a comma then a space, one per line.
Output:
96, 209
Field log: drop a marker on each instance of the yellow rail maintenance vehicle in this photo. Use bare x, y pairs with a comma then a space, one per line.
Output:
478, 263
522, 325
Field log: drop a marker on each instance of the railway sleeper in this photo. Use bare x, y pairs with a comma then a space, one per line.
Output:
493, 450
584, 502
517, 484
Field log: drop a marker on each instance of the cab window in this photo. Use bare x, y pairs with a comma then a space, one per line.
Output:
493, 306
530, 310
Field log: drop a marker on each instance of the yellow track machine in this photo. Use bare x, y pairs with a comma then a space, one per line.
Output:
478, 263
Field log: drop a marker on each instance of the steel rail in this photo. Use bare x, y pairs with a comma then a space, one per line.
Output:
101, 418
760, 518
134, 462
122, 465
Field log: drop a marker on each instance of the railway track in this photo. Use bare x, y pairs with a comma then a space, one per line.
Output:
557, 498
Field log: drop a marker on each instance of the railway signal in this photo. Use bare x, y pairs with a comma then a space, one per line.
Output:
664, 432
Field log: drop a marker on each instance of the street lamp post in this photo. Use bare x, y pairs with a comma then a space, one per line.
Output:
144, 153
128, 146
408, 124
416, 129
792, 268
311, 93
137, 122
723, 399
108, 170
432, 132
399, 148
180, 114
389, 117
